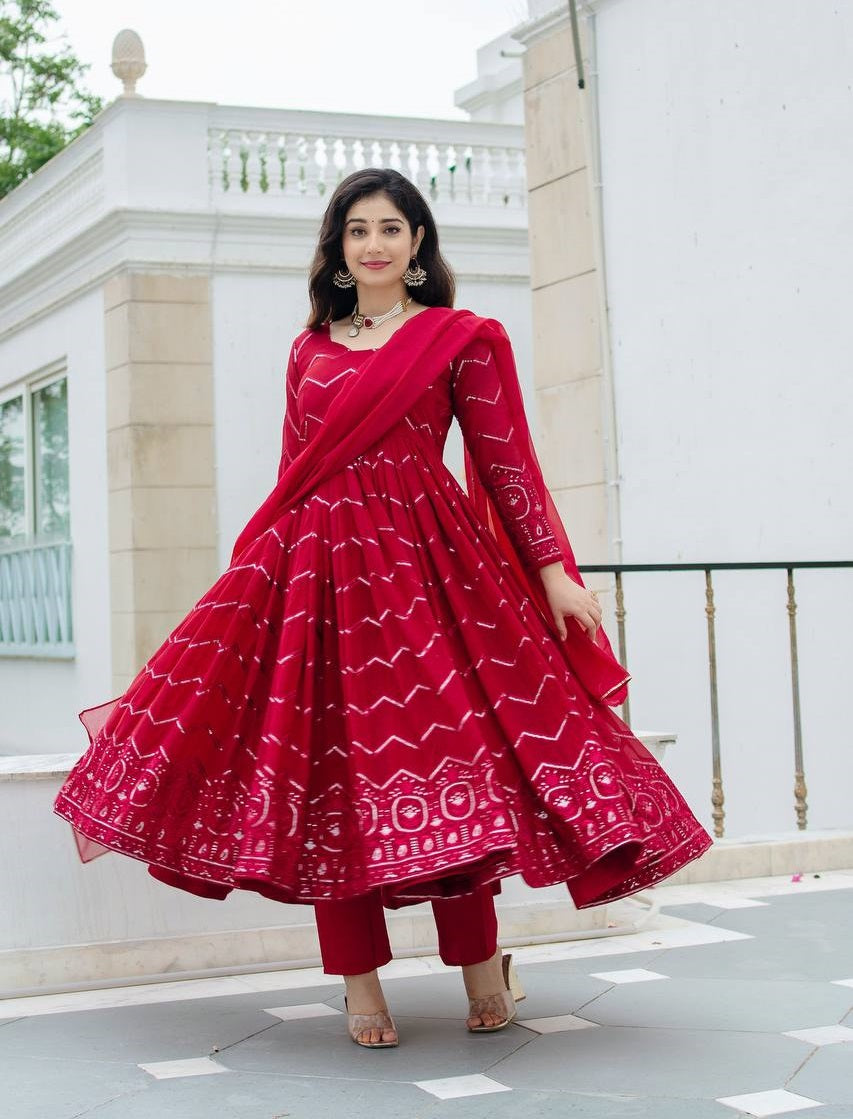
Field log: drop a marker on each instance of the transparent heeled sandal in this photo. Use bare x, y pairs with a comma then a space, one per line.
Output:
381, 1020
501, 1004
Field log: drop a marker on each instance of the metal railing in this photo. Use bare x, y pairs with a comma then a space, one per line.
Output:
35, 599
717, 796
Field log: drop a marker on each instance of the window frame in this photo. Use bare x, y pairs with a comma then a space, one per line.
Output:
28, 544
25, 387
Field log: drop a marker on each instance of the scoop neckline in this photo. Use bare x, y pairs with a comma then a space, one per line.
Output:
367, 349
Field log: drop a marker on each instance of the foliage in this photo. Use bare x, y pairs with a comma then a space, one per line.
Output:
42, 103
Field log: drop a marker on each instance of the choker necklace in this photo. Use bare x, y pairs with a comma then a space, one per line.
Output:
372, 321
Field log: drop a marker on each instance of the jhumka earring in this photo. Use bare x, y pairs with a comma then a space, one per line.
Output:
414, 275
343, 278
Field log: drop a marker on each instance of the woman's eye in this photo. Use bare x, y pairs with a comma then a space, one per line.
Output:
388, 229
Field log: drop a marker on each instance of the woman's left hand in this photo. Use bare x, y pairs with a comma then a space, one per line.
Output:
567, 598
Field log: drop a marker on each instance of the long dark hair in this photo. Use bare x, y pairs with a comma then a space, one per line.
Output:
330, 302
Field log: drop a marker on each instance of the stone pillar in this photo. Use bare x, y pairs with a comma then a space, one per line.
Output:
162, 513
568, 310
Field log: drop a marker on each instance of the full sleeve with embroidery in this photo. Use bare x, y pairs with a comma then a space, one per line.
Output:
290, 445
500, 455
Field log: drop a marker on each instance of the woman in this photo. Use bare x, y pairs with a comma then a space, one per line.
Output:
397, 691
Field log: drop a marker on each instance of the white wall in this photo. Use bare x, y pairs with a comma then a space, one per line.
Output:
727, 158
41, 697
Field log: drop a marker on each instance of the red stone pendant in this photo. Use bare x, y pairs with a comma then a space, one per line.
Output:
368, 322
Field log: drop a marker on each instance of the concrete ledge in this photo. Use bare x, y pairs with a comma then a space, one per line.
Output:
761, 855
108, 963
36, 767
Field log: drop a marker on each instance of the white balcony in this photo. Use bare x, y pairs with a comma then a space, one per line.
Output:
204, 186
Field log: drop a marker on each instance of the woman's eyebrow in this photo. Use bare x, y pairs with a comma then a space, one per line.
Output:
383, 220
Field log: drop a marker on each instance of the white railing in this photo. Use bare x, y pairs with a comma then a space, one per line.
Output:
255, 152
35, 599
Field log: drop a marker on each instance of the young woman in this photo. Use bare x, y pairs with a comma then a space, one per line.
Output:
398, 691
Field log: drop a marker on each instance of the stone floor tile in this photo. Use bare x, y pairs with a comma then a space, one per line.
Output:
159, 994
703, 912
769, 956
556, 1024
302, 1010
522, 1103
586, 965
549, 991
453, 1087
774, 1102
55, 1088
628, 975
823, 1035
804, 917
757, 1001
135, 1034
246, 1096
291, 979
683, 1063
719, 1005
188, 1066
826, 900
827, 1075
110, 997
429, 1048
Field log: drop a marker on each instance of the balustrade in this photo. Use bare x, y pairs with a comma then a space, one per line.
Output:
300, 162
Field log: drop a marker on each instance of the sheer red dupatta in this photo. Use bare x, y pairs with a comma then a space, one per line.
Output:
384, 388
593, 662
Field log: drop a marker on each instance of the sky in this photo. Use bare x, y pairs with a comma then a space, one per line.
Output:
403, 58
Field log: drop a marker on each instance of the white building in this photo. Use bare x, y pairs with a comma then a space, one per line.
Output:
677, 324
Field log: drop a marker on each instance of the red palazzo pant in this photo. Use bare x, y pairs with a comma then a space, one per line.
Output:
354, 937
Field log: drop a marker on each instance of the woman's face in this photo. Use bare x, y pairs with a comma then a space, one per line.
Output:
376, 231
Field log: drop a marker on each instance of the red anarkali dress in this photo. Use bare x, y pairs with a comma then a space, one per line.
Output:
366, 698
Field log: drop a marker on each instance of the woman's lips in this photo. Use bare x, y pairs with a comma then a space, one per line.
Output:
376, 263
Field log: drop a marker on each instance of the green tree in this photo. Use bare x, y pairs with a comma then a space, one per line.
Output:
42, 104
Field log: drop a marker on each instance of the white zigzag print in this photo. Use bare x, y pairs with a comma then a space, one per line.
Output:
369, 700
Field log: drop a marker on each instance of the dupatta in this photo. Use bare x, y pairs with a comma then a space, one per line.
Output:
376, 397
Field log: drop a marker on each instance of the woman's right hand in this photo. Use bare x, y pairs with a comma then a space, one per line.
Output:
568, 599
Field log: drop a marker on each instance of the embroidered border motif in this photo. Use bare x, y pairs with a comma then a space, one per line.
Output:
514, 492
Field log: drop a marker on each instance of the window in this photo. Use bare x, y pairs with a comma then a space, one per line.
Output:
35, 548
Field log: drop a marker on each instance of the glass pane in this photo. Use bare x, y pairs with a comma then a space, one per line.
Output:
12, 508
50, 440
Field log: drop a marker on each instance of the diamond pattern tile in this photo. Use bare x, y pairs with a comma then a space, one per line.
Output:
628, 975
191, 1066
454, 1087
774, 1102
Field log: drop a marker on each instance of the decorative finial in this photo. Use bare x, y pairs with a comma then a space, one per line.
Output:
128, 60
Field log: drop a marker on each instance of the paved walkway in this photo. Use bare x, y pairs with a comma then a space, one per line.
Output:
736, 1000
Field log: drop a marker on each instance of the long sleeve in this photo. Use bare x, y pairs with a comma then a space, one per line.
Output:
290, 427
503, 464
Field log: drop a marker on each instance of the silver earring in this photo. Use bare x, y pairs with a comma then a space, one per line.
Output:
343, 278
414, 276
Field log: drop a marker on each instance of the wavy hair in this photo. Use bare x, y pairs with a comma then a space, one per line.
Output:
329, 302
